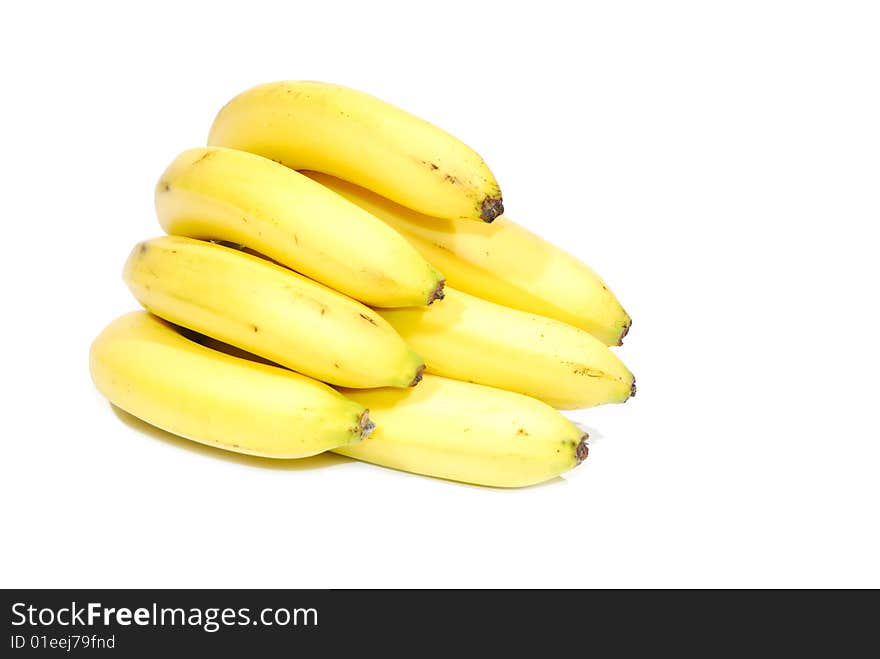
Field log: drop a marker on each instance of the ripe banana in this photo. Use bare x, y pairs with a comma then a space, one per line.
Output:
504, 263
470, 339
230, 195
467, 432
143, 365
357, 137
270, 311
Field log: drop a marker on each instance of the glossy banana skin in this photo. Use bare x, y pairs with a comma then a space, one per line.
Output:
222, 194
270, 311
359, 138
143, 365
470, 339
460, 431
504, 263
467, 432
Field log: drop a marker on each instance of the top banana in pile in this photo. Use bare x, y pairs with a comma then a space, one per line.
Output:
338, 277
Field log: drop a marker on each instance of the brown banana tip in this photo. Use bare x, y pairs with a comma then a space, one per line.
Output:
625, 331
366, 424
582, 450
437, 293
491, 208
418, 378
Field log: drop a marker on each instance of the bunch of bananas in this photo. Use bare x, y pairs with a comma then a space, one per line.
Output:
338, 276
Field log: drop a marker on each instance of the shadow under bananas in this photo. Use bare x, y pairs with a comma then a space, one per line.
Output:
320, 461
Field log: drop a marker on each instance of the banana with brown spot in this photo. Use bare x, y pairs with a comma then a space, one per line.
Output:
146, 367
222, 194
360, 138
470, 339
502, 262
467, 432
273, 312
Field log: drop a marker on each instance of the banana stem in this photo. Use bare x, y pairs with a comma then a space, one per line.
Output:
365, 424
420, 372
437, 293
583, 449
490, 209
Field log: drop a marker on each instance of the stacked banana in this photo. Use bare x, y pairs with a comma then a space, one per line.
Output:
338, 276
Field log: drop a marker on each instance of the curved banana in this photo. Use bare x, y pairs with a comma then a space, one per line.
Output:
223, 194
143, 365
470, 339
270, 311
467, 432
357, 137
502, 262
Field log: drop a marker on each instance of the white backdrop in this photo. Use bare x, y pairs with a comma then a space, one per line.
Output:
716, 162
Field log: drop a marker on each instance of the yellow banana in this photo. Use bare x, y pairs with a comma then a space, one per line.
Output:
270, 311
143, 365
467, 432
223, 194
502, 262
357, 137
470, 339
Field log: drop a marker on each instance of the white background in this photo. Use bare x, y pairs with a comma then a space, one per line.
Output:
717, 163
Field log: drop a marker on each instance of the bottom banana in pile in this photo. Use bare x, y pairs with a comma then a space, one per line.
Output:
460, 431
467, 432
147, 368
466, 338
220, 395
